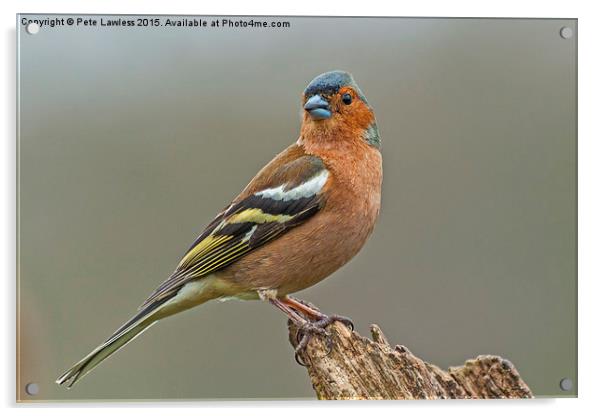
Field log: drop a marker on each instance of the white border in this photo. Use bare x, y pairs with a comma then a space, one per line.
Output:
590, 183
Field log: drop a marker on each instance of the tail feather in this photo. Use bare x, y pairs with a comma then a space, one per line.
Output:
126, 333
191, 294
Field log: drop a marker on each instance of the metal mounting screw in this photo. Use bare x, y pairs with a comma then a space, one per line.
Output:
566, 384
32, 389
566, 32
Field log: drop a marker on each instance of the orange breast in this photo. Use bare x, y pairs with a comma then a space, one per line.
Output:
310, 252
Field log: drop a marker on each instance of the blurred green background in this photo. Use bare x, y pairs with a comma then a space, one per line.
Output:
131, 139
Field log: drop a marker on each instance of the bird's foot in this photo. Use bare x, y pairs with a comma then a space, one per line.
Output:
310, 311
329, 319
318, 327
308, 321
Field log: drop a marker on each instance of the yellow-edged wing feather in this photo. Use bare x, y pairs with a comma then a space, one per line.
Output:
271, 204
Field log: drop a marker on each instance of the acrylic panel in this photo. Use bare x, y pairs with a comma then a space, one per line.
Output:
135, 131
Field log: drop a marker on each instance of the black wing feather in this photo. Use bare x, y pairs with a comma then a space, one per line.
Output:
225, 239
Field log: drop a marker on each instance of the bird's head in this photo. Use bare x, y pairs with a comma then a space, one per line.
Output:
334, 105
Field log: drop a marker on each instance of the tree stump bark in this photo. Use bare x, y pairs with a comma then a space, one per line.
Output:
350, 366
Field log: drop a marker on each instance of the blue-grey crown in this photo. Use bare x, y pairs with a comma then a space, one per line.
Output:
330, 82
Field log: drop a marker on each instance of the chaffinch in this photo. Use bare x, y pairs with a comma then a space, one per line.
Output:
303, 216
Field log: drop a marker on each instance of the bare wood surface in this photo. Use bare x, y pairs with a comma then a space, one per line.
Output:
350, 366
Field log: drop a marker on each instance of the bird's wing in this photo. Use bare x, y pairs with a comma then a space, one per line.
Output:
280, 197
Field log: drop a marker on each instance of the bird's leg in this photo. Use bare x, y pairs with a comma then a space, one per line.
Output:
316, 324
293, 315
304, 307
312, 312
305, 327
306, 317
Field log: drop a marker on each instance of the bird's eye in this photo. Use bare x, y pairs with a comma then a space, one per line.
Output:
347, 98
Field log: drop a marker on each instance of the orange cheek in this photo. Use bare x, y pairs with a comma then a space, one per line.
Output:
352, 119
359, 116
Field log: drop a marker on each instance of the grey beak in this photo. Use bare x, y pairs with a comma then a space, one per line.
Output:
317, 107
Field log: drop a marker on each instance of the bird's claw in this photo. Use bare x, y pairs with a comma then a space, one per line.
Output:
311, 328
308, 329
303, 344
327, 320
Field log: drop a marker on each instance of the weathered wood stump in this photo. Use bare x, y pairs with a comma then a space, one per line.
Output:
353, 367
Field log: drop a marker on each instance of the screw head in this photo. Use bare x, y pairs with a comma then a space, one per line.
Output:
32, 389
566, 384
32, 28
566, 32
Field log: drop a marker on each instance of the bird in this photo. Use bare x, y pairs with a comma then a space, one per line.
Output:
302, 217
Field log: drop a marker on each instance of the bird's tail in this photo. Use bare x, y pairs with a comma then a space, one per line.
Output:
128, 331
